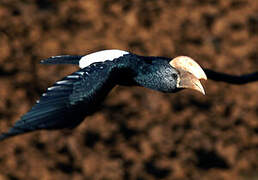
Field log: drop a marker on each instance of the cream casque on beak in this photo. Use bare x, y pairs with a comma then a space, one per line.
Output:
190, 73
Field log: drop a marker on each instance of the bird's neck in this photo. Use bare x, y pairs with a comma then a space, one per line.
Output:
125, 69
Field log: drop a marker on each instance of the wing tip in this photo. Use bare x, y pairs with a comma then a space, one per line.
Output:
42, 61
62, 59
12, 132
48, 60
5, 136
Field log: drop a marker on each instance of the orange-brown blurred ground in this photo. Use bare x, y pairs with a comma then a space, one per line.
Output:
139, 134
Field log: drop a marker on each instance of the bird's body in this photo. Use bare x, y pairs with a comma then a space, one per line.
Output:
70, 100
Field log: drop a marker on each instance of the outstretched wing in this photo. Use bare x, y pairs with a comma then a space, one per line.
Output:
84, 61
62, 59
68, 101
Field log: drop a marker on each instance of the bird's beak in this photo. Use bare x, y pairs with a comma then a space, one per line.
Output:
190, 73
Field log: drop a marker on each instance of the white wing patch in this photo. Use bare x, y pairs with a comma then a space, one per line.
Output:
101, 56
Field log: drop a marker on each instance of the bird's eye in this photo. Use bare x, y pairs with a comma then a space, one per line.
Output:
174, 76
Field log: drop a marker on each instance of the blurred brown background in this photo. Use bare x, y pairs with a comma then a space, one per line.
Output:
139, 134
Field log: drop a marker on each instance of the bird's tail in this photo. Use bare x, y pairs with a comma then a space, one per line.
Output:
62, 59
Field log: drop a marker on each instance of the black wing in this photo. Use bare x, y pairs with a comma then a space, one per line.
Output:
68, 101
62, 59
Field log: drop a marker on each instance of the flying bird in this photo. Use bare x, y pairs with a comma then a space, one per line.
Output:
70, 100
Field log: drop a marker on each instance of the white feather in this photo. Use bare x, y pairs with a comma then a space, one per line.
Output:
53, 87
101, 56
73, 77
62, 82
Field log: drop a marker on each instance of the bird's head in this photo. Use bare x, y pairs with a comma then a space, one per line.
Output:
189, 72
171, 75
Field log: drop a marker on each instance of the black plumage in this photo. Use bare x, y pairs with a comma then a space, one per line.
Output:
62, 59
70, 100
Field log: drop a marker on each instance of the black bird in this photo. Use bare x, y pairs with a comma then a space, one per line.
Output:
68, 101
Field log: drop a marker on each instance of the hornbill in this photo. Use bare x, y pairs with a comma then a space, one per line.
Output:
70, 100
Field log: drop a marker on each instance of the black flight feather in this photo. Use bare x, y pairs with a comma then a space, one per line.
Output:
68, 101
62, 59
